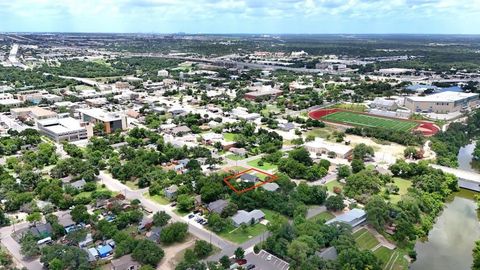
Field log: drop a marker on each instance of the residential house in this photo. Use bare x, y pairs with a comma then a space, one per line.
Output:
244, 217
217, 206
171, 192
104, 251
249, 178
238, 151
125, 262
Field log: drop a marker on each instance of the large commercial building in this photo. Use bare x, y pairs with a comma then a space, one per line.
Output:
445, 102
36, 113
112, 121
260, 93
62, 129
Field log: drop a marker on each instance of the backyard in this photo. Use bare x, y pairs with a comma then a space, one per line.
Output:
266, 166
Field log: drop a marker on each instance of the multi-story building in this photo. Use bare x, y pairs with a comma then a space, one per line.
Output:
112, 121
62, 129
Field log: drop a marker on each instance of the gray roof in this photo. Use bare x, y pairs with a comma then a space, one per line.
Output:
180, 129
124, 262
246, 177
243, 216
270, 186
217, 206
172, 189
78, 184
328, 254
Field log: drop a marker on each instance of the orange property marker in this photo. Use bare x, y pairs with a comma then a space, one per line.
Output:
271, 178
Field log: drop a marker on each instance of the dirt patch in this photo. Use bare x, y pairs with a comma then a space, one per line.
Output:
174, 254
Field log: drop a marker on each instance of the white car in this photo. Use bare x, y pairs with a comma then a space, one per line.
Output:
269, 257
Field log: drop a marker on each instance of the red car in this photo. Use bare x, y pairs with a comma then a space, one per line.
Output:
241, 261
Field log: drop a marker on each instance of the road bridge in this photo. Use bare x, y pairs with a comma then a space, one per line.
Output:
466, 179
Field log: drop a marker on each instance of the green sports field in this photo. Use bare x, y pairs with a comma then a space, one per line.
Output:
363, 120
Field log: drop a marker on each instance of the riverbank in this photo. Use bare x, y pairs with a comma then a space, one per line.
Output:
451, 240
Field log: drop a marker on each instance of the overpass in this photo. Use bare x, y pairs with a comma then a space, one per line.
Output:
466, 179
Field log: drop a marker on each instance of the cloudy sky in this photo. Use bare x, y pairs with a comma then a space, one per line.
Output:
242, 16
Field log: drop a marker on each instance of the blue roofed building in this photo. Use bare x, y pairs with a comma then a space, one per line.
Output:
104, 251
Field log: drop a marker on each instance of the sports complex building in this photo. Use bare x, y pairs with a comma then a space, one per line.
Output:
444, 102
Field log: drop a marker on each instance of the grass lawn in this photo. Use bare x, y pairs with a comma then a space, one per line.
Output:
324, 216
323, 133
332, 184
391, 259
229, 137
403, 185
237, 235
234, 157
365, 239
364, 120
84, 194
352, 107
157, 198
236, 168
265, 166
269, 214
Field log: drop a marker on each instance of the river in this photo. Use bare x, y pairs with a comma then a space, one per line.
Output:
465, 160
450, 242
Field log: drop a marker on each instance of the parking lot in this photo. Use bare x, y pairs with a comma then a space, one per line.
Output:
266, 261
197, 219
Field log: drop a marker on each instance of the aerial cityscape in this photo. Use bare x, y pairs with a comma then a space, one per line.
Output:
237, 138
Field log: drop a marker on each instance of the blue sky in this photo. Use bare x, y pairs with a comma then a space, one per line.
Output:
242, 16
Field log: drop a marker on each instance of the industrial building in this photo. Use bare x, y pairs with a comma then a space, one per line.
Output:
320, 146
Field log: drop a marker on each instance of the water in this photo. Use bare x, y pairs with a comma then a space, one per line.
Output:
450, 242
465, 161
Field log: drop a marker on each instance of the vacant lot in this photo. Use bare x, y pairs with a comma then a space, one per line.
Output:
365, 239
363, 120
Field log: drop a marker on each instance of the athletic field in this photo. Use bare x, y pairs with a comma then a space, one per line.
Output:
363, 120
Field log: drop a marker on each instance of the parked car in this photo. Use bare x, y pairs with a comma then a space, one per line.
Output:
173, 204
191, 216
250, 266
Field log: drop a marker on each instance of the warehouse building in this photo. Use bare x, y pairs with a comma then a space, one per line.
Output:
111, 120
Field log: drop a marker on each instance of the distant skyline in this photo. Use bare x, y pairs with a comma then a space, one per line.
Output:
242, 16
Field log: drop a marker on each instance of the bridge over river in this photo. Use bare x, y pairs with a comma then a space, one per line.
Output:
466, 179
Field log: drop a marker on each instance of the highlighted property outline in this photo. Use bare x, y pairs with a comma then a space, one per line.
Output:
271, 178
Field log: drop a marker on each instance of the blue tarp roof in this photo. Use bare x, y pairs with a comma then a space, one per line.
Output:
104, 250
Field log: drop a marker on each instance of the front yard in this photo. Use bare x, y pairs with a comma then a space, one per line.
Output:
265, 166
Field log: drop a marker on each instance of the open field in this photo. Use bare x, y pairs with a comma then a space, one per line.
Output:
365, 239
391, 259
364, 120
229, 137
157, 198
403, 185
352, 107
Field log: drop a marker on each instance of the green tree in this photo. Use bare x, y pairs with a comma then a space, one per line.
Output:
80, 214
161, 218
185, 202
357, 165
361, 151
239, 253
202, 248
28, 245
175, 232
377, 212
147, 252
335, 203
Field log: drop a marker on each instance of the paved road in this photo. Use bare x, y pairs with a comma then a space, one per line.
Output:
14, 248
195, 229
